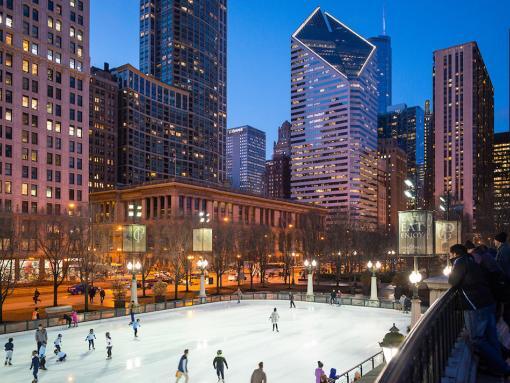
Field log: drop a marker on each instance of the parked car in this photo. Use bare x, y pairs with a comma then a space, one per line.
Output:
79, 289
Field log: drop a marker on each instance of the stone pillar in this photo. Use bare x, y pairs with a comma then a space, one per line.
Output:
437, 285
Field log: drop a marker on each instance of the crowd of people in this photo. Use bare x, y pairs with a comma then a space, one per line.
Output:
482, 276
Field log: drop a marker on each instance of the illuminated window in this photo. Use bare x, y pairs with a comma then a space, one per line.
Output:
25, 101
26, 45
35, 69
25, 66
24, 189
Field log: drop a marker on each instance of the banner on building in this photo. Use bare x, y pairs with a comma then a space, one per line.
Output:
134, 238
448, 233
415, 233
202, 239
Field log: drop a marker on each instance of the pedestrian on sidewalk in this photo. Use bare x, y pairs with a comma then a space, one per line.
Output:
109, 346
41, 336
35, 314
36, 296
9, 349
319, 372
102, 295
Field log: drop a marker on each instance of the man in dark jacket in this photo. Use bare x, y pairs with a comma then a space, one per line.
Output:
219, 363
503, 252
479, 308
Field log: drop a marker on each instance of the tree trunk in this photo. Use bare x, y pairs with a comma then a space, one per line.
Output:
1, 310
176, 291
218, 277
143, 285
251, 279
55, 291
86, 296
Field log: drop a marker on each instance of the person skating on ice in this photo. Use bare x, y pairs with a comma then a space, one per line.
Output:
90, 338
274, 318
109, 346
35, 365
61, 356
182, 368
239, 294
9, 349
136, 325
58, 344
291, 298
219, 363
40, 336
258, 375
42, 356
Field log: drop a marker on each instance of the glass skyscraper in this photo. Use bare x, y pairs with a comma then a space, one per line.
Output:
246, 158
184, 44
383, 70
334, 119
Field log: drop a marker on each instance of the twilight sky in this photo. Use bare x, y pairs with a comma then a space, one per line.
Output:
259, 47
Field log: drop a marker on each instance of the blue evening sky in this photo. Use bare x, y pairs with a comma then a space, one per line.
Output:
259, 47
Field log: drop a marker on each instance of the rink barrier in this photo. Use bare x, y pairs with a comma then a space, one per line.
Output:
11, 327
364, 367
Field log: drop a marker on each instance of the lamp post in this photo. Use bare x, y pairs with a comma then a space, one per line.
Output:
391, 256
202, 265
415, 278
373, 283
294, 255
309, 267
189, 260
239, 269
134, 268
391, 343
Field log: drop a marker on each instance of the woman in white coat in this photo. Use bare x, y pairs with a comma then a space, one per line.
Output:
274, 318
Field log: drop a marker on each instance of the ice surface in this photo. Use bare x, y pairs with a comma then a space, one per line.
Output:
338, 336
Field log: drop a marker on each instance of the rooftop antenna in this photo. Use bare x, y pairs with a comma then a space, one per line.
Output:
384, 18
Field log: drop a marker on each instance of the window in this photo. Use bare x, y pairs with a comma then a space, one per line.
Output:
8, 39
24, 189
25, 65
58, 25
26, 45
35, 103
34, 173
50, 55
25, 83
33, 190
49, 192
8, 21
35, 69
24, 136
49, 125
24, 171
34, 156
35, 49
50, 21
24, 154
72, 32
58, 57
8, 114
26, 11
79, 35
8, 187
8, 60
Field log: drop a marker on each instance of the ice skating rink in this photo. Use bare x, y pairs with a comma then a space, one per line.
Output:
338, 336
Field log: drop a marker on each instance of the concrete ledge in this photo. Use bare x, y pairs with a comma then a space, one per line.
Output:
53, 312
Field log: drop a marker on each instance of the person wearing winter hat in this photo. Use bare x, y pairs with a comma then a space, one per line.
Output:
503, 252
319, 372
470, 246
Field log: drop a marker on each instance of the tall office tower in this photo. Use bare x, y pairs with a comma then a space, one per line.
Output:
246, 157
184, 44
104, 110
334, 119
502, 181
464, 134
153, 130
277, 175
406, 125
428, 162
395, 163
45, 109
383, 70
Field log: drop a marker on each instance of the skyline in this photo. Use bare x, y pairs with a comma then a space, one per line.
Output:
248, 92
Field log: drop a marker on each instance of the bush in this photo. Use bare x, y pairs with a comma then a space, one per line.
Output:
159, 288
119, 291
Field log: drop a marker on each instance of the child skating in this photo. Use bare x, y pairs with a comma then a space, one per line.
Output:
274, 318
136, 325
9, 349
58, 344
90, 338
109, 346
219, 363
61, 356
35, 365
42, 356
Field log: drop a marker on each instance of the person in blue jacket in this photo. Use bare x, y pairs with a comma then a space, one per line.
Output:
35, 365
332, 375
182, 369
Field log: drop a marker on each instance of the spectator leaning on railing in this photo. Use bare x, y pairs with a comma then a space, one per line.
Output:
479, 308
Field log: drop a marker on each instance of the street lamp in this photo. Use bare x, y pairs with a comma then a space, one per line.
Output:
239, 269
189, 259
391, 256
415, 278
204, 217
391, 343
309, 267
294, 256
202, 265
134, 268
373, 283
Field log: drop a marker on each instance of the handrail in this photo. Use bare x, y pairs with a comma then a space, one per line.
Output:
346, 376
12, 327
423, 356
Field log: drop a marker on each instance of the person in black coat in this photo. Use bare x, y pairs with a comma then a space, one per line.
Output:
219, 363
479, 308
35, 365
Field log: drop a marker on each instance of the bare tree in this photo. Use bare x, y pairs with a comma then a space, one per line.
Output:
57, 237
313, 238
265, 248
287, 246
224, 246
9, 236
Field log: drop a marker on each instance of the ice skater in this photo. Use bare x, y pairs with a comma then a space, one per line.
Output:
132, 312
40, 336
319, 372
182, 368
90, 338
274, 318
239, 295
42, 356
35, 365
258, 375
68, 320
58, 344
136, 325
109, 346
61, 356
219, 363
74, 318
9, 349
291, 298
333, 298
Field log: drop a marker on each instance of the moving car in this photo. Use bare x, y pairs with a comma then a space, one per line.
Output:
79, 289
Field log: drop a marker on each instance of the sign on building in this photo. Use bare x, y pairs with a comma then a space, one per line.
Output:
202, 239
448, 233
415, 233
134, 239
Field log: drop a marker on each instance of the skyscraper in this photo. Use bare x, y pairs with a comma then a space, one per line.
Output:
104, 110
45, 109
502, 181
246, 157
428, 162
184, 45
383, 70
334, 119
406, 125
464, 134
277, 175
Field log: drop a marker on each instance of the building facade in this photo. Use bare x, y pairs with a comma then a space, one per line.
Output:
277, 175
44, 107
394, 161
184, 45
383, 71
428, 158
103, 124
502, 181
464, 134
334, 119
246, 157
282, 146
153, 132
